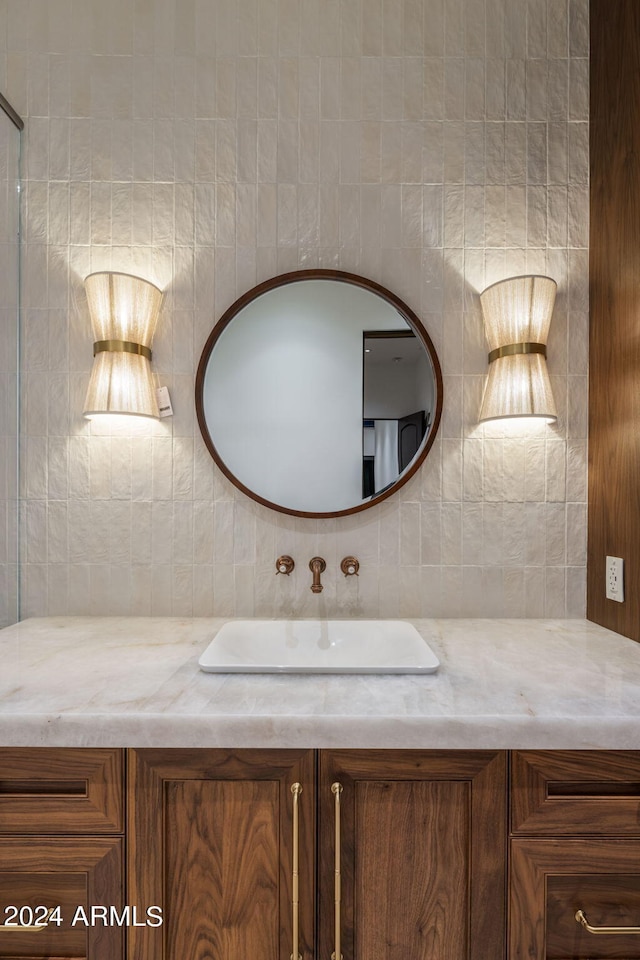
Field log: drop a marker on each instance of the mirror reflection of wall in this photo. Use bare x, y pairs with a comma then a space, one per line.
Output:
397, 405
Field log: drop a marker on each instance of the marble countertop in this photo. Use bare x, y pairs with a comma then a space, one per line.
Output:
133, 681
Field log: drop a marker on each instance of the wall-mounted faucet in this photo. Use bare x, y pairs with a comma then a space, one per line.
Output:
317, 566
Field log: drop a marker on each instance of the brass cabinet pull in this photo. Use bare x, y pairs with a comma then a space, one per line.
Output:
29, 928
336, 790
296, 790
580, 918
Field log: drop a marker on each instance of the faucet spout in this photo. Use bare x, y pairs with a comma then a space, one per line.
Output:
317, 566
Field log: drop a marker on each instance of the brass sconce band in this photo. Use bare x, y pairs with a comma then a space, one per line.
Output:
511, 349
121, 346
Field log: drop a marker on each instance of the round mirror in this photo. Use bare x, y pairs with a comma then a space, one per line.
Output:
319, 393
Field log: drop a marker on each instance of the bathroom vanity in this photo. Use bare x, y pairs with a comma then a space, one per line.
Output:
465, 814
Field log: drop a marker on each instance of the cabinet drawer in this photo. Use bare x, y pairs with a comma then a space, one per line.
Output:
68, 872
552, 879
575, 793
60, 791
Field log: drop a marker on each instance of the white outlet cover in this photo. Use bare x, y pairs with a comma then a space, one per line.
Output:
614, 579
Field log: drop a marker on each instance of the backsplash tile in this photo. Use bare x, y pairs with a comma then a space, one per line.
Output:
434, 147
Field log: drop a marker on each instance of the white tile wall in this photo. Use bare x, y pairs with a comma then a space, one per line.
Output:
433, 146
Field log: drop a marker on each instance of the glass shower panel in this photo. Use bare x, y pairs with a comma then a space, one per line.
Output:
10, 127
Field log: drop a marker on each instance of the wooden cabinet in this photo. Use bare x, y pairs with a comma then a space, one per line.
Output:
422, 852
61, 813
389, 853
69, 872
422, 838
575, 846
211, 836
44, 790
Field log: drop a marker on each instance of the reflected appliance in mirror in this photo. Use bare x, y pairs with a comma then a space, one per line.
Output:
319, 393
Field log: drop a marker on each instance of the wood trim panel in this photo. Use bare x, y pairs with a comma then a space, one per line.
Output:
614, 290
46, 790
576, 792
154, 776
475, 846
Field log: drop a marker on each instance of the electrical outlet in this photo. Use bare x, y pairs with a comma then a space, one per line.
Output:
615, 579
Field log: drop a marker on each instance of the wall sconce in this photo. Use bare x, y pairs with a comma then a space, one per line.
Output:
517, 314
124, 312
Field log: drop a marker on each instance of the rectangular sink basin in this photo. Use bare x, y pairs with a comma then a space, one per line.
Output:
318, 646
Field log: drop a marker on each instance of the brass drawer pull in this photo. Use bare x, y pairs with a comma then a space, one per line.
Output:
580, 918
336, 790
296, 790
27, 928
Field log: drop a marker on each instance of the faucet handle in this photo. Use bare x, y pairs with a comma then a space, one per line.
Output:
284, 564
350, 567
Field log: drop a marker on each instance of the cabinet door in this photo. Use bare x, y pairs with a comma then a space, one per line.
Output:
69, 873
422, 854
212, 843
552, 879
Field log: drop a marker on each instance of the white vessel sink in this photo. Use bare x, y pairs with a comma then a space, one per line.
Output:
318, 646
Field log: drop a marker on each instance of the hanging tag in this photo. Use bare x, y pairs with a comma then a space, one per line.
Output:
164, 402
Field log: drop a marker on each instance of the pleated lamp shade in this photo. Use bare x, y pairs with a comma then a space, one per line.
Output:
517, 314
124, 312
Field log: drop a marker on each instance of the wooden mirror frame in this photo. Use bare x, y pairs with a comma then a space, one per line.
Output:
405, 312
